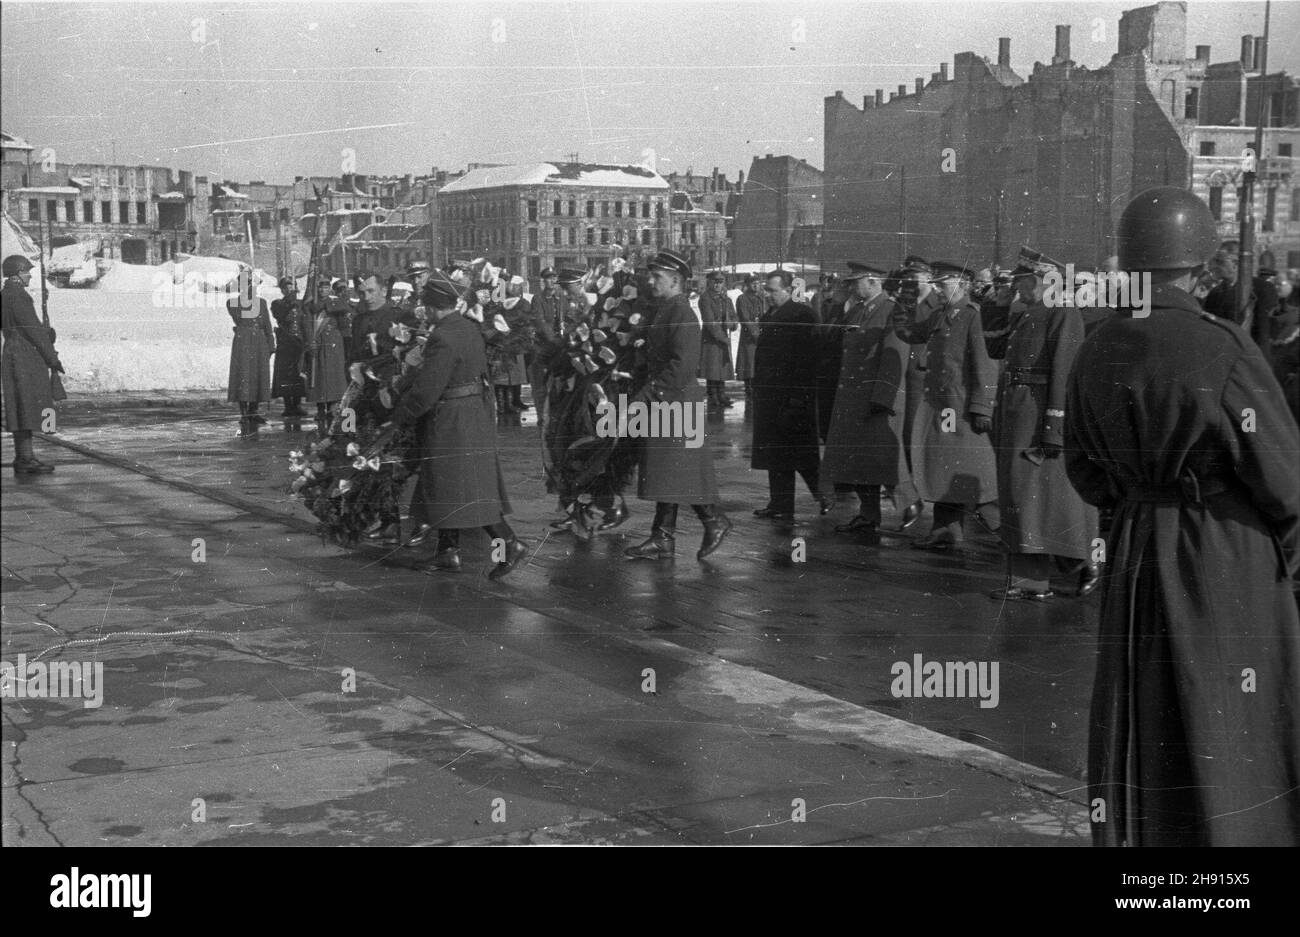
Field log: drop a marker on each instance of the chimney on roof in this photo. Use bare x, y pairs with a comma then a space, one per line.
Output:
868, 102
943, 71
1004, 51
1202, 53
1062, 46
1259, 53
902, 91
1248, 52
880, 96
839, 94
297, 178
920, 85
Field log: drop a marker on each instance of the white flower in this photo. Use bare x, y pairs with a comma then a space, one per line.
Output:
345, 485
354, 449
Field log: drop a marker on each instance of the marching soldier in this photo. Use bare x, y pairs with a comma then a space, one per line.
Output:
785, 400
953, 464
1174, 419
671, 473
460, 483
250, 352
865, 446
717, 322
26, 364
1045, 524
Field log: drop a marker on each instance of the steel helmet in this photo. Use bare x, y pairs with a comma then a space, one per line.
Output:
15, 264
1166, 228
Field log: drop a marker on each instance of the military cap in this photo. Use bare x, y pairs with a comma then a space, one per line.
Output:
715, 275
286, 282
547, 272
858, 271
571, 274
440, 291
1266, 272
671, 260
1033, 263
417, 266
15, 264
749, 278
943, 270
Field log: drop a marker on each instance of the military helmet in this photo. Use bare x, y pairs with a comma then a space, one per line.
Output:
15, 264
1166, 228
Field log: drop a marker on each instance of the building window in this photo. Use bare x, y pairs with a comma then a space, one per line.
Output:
573, 207
645, 209
1241, 202
556, 207
69, 210
532, 210
1284, 150
284, 215
591, 235
1192, 104
140, 216
532, 237
558, 236
591, 209
618, 209
631, 209
33, 209
1207, 147
573, 237
604, 209
604, 235
645, 236
87, 211
51, 210
1270, 208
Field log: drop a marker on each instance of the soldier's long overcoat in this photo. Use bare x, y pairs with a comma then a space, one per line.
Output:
1195, 718
669, 470
1040, 510
749, 309
292, 325
26, 360
718, 320
865, 448
250, 352
951, 462
460, 484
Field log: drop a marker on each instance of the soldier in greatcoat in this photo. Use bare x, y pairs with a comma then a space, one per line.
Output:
1174, 419
460, 483
865, 445
953, 464
717, 322
671, 471
292, 324
250, 351
1045, 526
749, 309
26, 364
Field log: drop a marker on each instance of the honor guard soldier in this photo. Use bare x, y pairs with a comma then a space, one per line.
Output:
1175, 420
292, 324
717, 322
250, 351
28, 359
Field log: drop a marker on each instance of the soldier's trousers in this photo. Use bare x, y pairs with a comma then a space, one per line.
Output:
780, 486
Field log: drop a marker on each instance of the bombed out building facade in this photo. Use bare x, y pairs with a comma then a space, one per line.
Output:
972, 165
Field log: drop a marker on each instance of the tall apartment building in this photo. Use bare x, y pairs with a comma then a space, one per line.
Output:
780, 217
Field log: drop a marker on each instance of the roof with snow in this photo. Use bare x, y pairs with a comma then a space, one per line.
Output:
10, 142
227, 192
567, 174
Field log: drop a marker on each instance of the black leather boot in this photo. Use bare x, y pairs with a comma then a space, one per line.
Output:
448, 555
662, 544
515, 551
25, 461
716, 528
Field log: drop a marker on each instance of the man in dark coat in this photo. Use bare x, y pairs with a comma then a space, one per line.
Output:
292, 327
250, 351
749, 309
785, 400
546, 329
1045, 525
460, 484
717, 322
918, 300
676, 469
1174, 419
865, 445
953, 464
26, 363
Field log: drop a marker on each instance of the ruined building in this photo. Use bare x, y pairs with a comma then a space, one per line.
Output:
970, 166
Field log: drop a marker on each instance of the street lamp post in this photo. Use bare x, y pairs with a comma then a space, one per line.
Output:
1246, 243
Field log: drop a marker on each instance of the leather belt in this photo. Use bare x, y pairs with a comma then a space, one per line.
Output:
1027, 375
456, 391
1189, 488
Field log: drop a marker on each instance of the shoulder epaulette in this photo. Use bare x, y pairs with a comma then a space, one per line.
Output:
1232, 328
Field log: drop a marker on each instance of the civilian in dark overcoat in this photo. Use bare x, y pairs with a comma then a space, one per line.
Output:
1174, 419
785, 399
26, 364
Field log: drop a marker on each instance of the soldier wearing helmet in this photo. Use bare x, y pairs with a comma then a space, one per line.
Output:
1174, 420
25, 365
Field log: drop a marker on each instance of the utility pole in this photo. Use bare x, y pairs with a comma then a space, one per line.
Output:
902, 210
1246, 245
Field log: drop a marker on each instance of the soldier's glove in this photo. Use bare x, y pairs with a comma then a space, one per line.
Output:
980, 423
54, 336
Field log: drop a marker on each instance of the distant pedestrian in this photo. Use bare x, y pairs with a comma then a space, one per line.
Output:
250, 351
717, 322
749, 310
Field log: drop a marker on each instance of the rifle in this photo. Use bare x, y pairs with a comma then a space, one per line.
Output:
57, 391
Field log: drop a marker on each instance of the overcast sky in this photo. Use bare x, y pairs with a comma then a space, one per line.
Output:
270, 90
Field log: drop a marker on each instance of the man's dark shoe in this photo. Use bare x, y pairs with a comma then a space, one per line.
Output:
388, 535
661, 546
936, 543
857, 525
421, 535
716, 529
1089, 579
615, 517
912, 513
443, 561
772, 513
515, 551
32, 467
